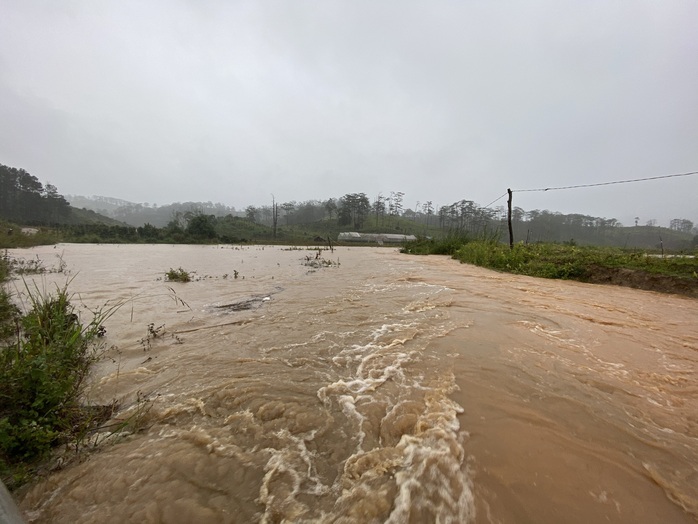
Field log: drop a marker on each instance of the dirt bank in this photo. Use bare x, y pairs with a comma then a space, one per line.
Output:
639, 279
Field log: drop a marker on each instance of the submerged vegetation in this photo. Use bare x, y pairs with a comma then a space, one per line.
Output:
318, 261
177, 275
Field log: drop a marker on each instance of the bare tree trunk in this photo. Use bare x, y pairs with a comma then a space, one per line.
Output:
511, 231
274, 215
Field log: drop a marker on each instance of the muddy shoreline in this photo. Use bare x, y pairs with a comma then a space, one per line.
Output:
645, 280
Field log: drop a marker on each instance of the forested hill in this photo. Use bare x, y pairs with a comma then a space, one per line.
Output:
137, 214
25, 200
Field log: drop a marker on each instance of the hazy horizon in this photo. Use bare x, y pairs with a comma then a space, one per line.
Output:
175, 101
241, 210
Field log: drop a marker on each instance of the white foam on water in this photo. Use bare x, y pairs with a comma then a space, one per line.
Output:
417, 460
348, 404
294, 460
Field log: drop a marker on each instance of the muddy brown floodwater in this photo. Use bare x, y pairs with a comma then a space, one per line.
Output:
379, 388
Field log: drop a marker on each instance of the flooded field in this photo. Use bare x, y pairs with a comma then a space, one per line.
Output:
368, 386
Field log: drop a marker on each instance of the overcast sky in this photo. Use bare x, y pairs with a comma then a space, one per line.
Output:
230, 101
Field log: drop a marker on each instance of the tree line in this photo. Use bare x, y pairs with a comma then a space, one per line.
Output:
25, 200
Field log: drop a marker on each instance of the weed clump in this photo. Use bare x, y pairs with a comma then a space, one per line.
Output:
318, 261
152, 333
177, 275
32, 266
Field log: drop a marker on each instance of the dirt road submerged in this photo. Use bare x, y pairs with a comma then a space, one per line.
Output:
581, 400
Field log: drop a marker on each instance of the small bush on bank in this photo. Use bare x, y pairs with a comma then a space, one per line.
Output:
44, 362
433, 246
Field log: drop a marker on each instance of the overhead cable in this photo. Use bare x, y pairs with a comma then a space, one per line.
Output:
496, 199
604, 183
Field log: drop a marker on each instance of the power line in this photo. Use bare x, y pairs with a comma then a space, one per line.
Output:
604, 183
496, 199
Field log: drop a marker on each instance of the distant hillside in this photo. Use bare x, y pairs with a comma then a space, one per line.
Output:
87, 216
102, 205
26, 201
138, 215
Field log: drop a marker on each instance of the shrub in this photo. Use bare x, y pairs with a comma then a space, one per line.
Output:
43, 368
448, 245
178, 275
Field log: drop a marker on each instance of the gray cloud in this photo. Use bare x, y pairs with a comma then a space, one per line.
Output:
230, 101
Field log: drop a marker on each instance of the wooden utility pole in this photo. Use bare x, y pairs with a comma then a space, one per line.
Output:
511, 231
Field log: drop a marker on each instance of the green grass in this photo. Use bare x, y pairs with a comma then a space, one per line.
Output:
563, 261
570, 262
448, 245
11, 236
541, 260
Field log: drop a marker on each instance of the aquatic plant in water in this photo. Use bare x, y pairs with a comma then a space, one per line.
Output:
178, 275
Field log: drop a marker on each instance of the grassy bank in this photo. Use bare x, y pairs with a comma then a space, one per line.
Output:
45, 357
11, 236
673, 274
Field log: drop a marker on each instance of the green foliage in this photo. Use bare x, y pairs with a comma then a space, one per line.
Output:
149, 233
353, 210
11, 236
570, 261
541, 260
193, 229
96, 233
24, 199
202, 227
178, 275
436, 246
231, 229
43, 368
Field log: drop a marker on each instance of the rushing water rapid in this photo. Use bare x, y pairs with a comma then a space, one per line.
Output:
377, 388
